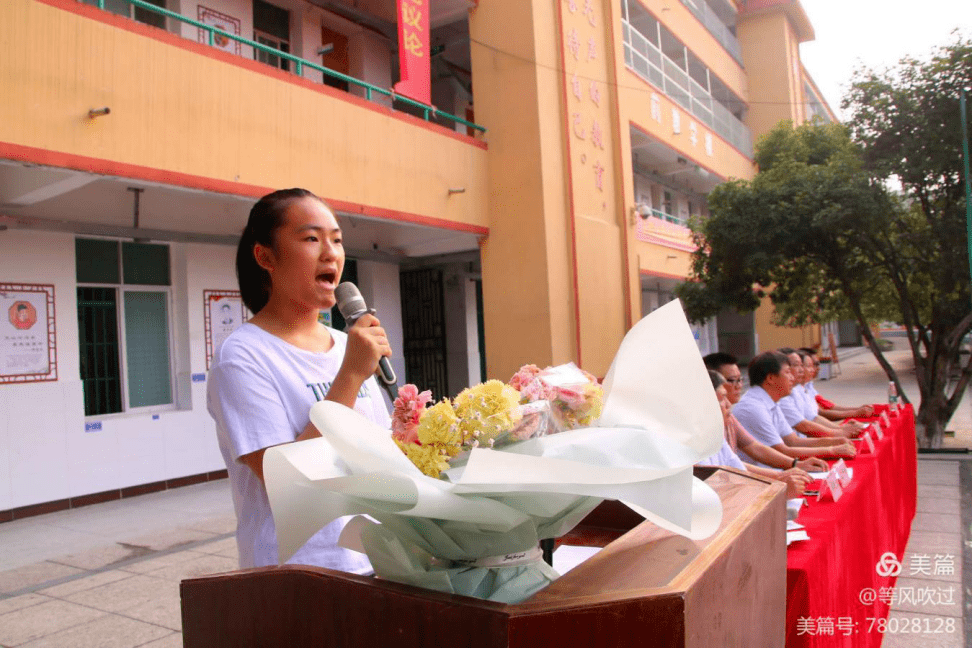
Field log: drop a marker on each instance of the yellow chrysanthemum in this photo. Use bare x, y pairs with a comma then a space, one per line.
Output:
428, 459
487, 411
439, 427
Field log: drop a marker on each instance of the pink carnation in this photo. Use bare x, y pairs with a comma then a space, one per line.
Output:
408, 409
538, 390
524, 376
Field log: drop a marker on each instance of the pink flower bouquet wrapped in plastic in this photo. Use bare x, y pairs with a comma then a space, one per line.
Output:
575, 396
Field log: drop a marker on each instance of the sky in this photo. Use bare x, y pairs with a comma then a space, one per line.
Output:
851, 34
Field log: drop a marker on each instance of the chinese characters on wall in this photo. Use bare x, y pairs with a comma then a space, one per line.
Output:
590, 142
27, 339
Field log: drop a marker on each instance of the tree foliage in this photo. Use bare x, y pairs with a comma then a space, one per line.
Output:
820, 225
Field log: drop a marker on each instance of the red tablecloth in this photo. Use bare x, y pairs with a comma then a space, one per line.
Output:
826, 574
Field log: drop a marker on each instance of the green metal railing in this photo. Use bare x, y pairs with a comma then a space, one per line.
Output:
299, 64
667, 217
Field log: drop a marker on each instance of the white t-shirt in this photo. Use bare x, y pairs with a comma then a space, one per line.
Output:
260, 392
725, 457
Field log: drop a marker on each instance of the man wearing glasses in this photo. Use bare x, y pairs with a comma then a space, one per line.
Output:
755, 451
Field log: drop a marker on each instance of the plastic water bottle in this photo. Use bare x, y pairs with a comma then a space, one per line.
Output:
892, 397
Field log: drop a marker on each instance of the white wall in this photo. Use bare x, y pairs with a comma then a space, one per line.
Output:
381, 288
45, 452
370, 59
473, 361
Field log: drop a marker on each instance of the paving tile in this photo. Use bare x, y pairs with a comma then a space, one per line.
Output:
933, 631
21, 602
17, 579
937, 467
939, 479
936, 505
103, 556
937, 522
922, 542
938, 492
928, 597
165, 610
168, 539
225, 547
109, 631
121, 595
42, 620
172, 641
88, 582
165, 560
33, 540
201, 566
218, 525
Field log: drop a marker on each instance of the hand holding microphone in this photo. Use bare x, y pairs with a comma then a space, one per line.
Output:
365, 337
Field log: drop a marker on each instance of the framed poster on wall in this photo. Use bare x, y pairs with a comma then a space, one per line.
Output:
228, 24
224, 313
28, 345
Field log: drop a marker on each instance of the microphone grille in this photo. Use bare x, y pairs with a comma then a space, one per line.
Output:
349, 300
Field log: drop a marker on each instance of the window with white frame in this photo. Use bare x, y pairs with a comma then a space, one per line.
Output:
124, 334
271, 27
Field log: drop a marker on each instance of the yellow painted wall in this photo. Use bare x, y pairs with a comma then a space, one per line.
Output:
635, 100
541, 186
182, 111
770, 45
767, 41
661, 260
773, 337
527, 289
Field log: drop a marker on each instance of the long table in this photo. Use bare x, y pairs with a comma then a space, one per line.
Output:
832, 577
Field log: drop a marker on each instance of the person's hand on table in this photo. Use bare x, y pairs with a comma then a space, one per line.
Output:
813, 464
864, 411
796, 481
853, 428
846, 450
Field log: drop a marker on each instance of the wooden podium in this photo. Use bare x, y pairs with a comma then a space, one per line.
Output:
647, 587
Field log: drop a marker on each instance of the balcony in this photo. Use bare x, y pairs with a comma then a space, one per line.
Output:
274, 49
188, 116
658, 57
716, 25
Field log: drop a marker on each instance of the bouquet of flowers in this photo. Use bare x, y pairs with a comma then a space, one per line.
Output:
475, 531
492, 414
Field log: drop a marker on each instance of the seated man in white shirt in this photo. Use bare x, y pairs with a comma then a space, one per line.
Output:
742, 441
800, 414
796, 480
759, 413
811, 365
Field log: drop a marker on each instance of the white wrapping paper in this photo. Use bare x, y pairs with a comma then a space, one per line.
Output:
660, 417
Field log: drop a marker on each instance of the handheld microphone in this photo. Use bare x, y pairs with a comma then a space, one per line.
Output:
352, 306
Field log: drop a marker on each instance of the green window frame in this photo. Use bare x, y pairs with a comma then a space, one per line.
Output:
124, 325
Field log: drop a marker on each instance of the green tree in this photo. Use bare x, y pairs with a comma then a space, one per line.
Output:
819, 224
